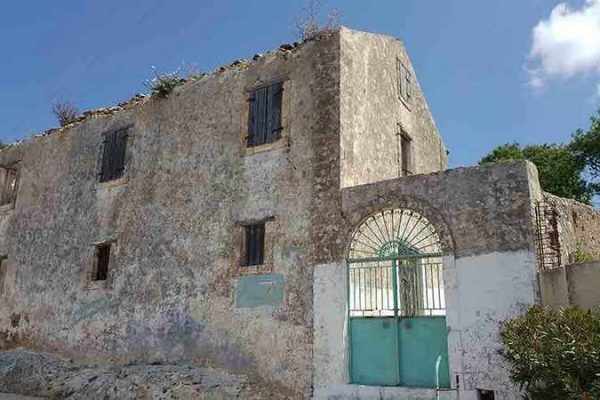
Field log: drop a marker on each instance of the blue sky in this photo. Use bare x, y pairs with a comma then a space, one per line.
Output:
486, 79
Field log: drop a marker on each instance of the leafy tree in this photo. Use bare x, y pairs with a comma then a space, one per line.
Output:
508, 151
586, 145
555, 355
560, 170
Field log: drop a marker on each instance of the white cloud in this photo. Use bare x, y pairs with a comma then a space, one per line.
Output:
566, 44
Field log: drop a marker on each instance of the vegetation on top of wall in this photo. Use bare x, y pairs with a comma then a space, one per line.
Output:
65, 112
308, 25
580, 255
163, 84
555, 355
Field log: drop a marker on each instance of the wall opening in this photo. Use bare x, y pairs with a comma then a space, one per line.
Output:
102, 262
253, 251
483, 394
3, 273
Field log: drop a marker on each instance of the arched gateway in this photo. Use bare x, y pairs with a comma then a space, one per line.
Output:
396, 302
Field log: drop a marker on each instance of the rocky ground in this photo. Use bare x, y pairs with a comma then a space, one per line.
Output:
39, 374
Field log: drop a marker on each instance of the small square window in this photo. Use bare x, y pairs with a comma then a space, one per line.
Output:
264, 116
9, 186
102, 262
254, 245
113, 155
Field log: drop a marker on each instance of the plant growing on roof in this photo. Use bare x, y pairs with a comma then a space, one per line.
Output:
308, 25
65, 112
163, 84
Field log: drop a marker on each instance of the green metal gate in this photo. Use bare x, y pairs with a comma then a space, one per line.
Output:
396, 303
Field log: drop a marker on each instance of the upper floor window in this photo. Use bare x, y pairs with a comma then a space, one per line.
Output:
9, 186
254, 245
406, 153
113, 155
3, 273
404, 78
264, 117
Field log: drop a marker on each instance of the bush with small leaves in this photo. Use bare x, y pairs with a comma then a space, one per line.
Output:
555, 355
163, 84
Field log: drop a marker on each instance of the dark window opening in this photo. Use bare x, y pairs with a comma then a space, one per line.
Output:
485, 394
2, 274
264, 117
113, 155
406, 149
9, 188
254, 245
102, 262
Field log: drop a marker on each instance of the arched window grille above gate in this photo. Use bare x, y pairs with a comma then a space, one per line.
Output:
395, 233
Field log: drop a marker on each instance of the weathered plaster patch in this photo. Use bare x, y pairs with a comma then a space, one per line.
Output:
259, 290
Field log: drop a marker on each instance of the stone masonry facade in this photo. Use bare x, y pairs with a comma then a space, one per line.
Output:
175, 218
156, 266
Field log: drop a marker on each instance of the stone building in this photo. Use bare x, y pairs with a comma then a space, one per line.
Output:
288, 217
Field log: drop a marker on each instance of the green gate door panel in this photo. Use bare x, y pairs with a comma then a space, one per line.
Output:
259, 290
374, 355
421, 341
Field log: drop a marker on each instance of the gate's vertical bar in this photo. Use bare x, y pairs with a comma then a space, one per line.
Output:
396, 317
348, 324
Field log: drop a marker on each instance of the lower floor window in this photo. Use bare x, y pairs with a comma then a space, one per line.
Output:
102, 262
254, 244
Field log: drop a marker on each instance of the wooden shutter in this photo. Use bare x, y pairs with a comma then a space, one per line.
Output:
264, 117
261, 115
120, 151
251, 120
106, 151
274, 112
113, 155
2, 273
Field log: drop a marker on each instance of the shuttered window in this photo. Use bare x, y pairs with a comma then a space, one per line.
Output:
102, 262
113, 155
254, 245
2, 274
264, 118
9, 188
404, 81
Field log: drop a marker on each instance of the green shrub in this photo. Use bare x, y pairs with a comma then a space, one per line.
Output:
580, 255
555, 355
163, 84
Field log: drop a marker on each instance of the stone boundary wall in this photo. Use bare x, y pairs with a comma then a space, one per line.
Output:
579, 229
571, 285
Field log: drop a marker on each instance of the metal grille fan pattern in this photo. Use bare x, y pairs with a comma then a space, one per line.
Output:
395, 233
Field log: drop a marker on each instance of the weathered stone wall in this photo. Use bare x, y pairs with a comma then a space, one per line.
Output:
484, 218
578, 229
175, 216
371, 113
571, 285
